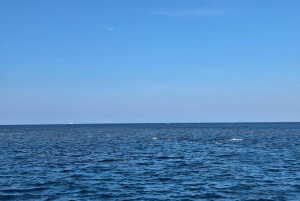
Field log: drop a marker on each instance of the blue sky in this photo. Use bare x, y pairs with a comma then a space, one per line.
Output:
133, 61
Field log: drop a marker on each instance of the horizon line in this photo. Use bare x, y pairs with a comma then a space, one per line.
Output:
241, 122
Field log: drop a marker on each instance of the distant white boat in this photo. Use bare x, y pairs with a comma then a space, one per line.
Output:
167, 123
71, 123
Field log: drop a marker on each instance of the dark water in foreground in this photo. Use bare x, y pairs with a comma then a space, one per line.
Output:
150, 162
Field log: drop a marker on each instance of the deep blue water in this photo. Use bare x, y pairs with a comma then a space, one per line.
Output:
257, 161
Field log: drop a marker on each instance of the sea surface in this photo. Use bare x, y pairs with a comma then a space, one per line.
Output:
234, 161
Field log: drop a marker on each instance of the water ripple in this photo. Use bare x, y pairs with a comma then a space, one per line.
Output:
150, 162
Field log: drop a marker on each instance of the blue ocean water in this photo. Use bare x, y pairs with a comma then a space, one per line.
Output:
241, 161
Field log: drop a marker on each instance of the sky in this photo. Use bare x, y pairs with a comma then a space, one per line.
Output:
149, 61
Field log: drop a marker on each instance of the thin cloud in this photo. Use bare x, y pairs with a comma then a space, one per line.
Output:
196, 13
111, 28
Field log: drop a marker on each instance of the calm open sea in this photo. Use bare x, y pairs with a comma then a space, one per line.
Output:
247, 161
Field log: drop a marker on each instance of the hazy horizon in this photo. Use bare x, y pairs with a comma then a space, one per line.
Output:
167, 123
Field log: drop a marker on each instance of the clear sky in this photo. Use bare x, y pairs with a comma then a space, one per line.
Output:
132, 61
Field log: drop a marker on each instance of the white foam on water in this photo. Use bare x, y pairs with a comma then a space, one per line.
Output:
236, 139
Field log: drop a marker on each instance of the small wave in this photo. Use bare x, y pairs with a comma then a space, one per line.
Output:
169, 157
107, 160
26, 190
236, 139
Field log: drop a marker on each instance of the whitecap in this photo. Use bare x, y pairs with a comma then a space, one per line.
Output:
236, 139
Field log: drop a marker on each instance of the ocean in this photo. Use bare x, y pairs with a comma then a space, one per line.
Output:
217, 161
